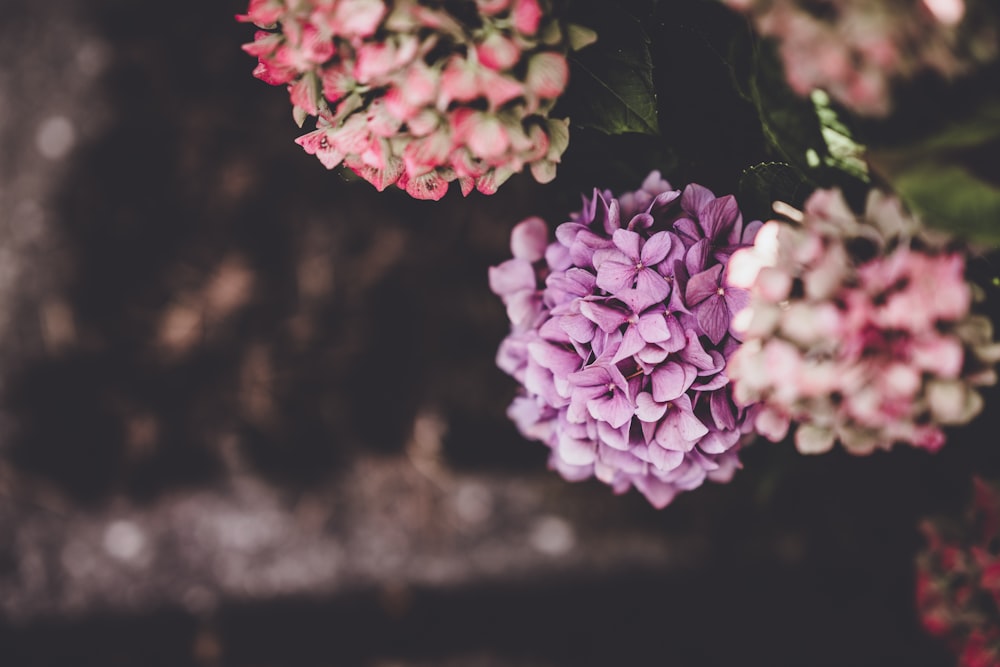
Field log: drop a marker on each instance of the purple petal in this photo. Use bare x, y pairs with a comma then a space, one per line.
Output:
702, 285
718, 216
615, 438
529, 238
523, 306
689, 426
578, 327
714, 382
694, 353
557, 359
512, 276
688, 231
567, 232
632, 342
653, 327
695, 197
723, 410
614, 409
736, 299
592, 376
713, 316
653, 285
656, 248
671, 380
647, 409
606, 317
641, 221
696, 257
717, 442
658, 493
664, 459
629, 243
636, 300
577, 452
614, 276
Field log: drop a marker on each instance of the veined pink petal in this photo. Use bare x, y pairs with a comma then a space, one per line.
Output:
431, 186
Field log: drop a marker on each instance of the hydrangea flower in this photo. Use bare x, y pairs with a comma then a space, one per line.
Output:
856, 50
418, 94
620, 337
958, 580
858, 329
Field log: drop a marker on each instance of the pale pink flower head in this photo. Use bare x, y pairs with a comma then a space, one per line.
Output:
859, 329
443, 91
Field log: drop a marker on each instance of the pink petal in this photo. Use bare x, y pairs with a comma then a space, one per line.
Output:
614, 276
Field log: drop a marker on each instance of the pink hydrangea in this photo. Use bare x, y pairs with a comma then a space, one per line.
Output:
419, 94
620, 336
856, 50
858, 329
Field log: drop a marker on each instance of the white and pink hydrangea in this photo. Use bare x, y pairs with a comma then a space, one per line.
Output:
858, 329
414, 95
857, 50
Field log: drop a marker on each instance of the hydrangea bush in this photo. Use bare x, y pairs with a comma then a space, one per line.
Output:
958, 580
859, 329
621, 337
418, 94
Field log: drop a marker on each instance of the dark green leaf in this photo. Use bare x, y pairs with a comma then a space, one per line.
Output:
611, 82
763, 184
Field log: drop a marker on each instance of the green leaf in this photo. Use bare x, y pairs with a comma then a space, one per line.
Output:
763, 184
611, 82
953, 198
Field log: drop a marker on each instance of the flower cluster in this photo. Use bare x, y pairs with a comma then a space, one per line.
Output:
857, 49
958, 580
620, 336
858, 329
418, 94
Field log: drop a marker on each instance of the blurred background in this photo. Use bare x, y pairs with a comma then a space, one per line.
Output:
249, 414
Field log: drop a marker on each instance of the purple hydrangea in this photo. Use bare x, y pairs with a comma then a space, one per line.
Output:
620, 336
